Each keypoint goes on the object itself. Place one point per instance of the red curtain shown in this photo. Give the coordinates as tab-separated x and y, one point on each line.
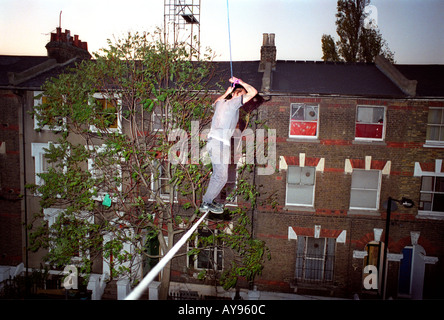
300	128
369	131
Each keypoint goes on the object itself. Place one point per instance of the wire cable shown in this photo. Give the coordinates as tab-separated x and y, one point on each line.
229	39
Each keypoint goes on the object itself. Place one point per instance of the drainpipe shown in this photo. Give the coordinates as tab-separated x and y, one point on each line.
20	95
386	240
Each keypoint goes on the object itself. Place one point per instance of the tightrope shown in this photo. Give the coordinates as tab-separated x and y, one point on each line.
141	287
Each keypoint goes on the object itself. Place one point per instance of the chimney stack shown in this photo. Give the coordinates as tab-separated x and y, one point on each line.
64	47
268	61
268	52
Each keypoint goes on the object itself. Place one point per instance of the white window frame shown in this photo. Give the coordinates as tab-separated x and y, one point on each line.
287	190
51	214
383	123
134	265
100	194
430	212
155	185
157	115
195	263
303	105
377	190
38	153
435	143
38	102
118	99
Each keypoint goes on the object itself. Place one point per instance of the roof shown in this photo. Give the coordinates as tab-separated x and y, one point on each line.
289	77
245	70
54	71
32	71
429	77
17	64
326	78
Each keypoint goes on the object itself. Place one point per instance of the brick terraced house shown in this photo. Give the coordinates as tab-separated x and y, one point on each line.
349	138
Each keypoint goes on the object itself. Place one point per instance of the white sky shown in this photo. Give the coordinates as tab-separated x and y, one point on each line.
413	28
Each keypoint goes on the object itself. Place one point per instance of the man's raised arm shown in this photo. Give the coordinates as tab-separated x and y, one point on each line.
251	91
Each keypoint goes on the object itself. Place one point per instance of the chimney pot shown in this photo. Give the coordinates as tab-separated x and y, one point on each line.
265	39
64	47
271	39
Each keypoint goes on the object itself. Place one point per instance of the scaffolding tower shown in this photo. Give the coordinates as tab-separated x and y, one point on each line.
182	22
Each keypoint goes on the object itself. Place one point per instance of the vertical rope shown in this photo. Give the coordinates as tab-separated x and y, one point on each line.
229	39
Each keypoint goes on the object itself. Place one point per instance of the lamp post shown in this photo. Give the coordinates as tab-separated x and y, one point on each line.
407	203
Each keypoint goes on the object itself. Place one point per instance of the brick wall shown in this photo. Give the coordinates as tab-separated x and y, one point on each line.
10	201
403	146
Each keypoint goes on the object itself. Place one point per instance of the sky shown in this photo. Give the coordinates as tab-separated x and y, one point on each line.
413	29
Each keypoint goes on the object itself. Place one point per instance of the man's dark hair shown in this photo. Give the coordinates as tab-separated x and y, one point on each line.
238	86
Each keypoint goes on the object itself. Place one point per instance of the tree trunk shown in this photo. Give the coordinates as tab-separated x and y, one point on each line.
165	282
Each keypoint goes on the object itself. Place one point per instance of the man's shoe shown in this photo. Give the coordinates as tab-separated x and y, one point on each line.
219	205
213	207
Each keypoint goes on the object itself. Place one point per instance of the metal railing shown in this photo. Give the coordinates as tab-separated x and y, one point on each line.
314	268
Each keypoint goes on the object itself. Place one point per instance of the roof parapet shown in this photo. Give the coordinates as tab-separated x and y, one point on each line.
16	78
407	86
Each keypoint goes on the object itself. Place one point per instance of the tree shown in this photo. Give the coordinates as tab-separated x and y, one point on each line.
329	49
357	42
110	172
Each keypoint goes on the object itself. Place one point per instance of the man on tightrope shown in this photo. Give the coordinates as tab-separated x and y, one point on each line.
223	124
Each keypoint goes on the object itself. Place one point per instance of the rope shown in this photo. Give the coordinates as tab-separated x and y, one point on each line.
229	39
137	292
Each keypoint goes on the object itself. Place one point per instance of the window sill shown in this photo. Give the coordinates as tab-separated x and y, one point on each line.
303	140
165	199
55	129
231	204
433	145
370	142
430	215
362	212
299	208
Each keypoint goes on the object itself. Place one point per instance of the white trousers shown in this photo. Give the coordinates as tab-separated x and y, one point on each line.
220	158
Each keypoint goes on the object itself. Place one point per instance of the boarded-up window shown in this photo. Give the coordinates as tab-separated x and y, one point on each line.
365	189
300	185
